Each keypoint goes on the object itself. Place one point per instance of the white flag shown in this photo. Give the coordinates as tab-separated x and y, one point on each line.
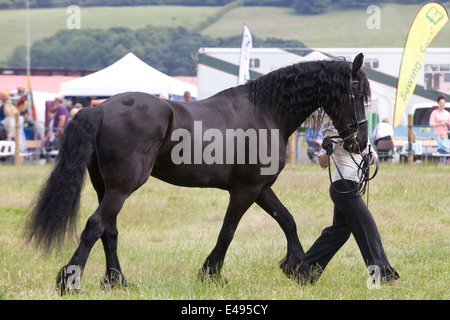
244	63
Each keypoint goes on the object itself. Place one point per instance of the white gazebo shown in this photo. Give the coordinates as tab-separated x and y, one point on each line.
127	74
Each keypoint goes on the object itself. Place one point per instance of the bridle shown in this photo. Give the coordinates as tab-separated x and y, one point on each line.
354	147
364	165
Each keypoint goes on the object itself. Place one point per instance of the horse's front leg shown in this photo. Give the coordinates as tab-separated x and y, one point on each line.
240	201
293	264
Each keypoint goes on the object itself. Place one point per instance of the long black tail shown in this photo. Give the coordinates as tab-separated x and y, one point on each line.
54	211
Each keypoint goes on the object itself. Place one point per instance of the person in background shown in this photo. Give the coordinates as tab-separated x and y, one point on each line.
415	150
440	118
4	94
383	132
9	122
50	135
414	145
60	121
313	137
443	146
73	111
187	96
4	98
164	96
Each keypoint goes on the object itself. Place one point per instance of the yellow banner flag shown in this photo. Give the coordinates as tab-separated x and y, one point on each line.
428	22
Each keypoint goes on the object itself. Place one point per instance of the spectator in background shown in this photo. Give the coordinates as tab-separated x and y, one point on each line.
415	148
440	118
187	96
50	135
60	121
4	96
383	131
164	96
313	137
9	122
77	107
382	136
443	145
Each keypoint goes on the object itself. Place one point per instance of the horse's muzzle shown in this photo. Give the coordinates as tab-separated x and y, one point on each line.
352	145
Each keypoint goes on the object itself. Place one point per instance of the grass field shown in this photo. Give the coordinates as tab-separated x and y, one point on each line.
330	30
46	22
166	232
335	29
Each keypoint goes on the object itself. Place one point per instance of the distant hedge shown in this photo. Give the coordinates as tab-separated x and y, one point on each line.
170	50
300	6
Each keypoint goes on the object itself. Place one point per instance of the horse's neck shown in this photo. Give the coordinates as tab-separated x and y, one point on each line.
290	123
292	116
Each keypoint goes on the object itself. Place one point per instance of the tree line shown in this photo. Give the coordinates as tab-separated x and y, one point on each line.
170	50
300	6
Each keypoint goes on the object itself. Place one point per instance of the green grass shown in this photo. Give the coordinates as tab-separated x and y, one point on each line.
166	232
335	29
346	28
46	22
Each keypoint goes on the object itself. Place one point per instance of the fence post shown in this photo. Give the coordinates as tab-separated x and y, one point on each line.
17	161
291	149
410	139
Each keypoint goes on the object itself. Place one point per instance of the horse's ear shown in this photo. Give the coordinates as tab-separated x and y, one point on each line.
357	63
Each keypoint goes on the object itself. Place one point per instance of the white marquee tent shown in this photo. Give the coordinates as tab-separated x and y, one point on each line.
127	74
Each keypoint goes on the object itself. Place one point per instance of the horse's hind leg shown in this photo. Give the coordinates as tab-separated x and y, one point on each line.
113	275
109	237
293	264
96	225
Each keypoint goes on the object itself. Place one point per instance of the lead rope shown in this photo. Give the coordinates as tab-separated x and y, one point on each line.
363	172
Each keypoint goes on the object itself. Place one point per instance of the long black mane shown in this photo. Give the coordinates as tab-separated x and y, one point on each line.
314	84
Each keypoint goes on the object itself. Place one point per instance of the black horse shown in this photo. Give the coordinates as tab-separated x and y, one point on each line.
134	135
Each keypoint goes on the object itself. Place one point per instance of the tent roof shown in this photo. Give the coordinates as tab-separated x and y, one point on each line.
315	55
127	74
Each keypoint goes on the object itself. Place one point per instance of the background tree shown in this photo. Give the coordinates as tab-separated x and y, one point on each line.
169	50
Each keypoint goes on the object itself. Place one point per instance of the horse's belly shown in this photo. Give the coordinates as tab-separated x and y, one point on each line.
192	176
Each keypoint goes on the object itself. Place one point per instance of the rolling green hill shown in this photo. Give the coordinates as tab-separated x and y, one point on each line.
333	29
46	22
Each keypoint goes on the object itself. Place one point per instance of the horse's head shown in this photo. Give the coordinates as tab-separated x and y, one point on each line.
350	116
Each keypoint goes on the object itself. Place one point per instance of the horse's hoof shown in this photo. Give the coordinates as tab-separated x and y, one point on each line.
214	278
68	279
113	280
299	272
